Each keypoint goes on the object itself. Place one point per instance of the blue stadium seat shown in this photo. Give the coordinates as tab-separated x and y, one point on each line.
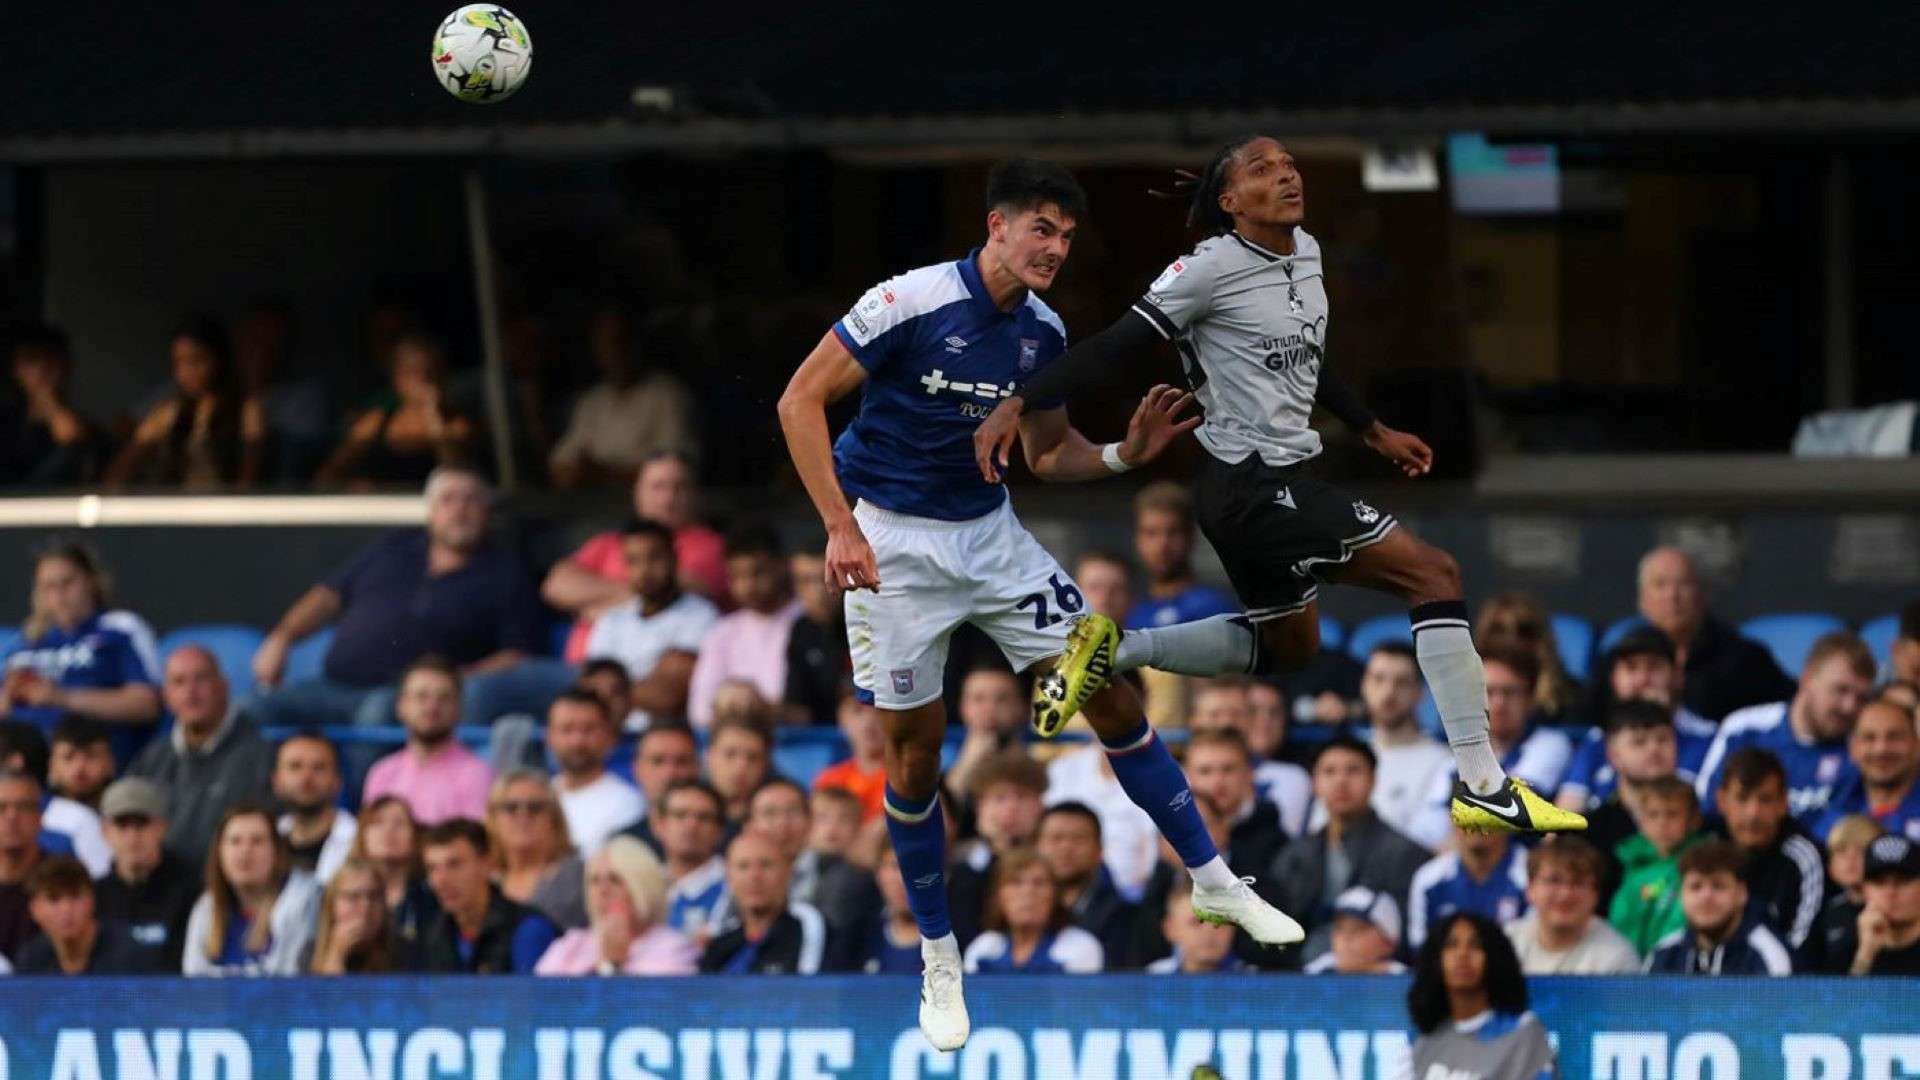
1574	635
10	636
232	645
1617	631
304	659
1377	631
1878	635
1789	636
1332	634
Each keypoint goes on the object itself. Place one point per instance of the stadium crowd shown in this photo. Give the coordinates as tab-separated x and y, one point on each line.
624	814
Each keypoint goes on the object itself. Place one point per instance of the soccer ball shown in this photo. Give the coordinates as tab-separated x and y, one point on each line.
482	54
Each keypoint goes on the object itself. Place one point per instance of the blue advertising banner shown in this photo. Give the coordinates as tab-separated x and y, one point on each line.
856	1028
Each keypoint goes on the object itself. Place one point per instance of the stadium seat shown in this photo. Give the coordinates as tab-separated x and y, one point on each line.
1878	635
232	646
1617	631
1574	635
304	660
1789	636
1332	634
1375	632
10	636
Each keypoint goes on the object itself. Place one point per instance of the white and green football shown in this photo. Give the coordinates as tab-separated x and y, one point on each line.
482	54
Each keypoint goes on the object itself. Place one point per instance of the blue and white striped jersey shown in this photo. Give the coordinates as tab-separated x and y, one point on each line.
939	356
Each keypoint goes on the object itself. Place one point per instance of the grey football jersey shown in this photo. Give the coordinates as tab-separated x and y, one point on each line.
1496	1046
1251	327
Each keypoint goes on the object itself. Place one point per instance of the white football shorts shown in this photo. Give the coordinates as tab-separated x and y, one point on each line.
935	575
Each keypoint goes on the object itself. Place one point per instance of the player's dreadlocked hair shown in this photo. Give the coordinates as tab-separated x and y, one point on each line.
1021	184
1201	190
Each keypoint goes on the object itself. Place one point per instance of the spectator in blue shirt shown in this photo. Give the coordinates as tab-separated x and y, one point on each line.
477	931
1028	930
77	656
1485	873
258	912
1885	750
443	590
1163	537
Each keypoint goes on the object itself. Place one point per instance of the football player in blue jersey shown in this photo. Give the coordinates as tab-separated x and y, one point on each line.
921	542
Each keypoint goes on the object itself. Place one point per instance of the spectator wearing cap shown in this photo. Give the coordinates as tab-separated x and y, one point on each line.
863	773
1354	848
438	777
212	760
1485	873
1026	928
306	783
1785	874
841	892
663	755
1724	672
595	579
1885	751
257	915
1008	791
1366	934
1641	666
1831	947
1808	733
771	934
655	635
477	931
1888	932
20	853
750	644
1719	937
1409	758
1562	935
1647	905
81	761
149	889
73	939
444	590
1199	948
1068	841
581	736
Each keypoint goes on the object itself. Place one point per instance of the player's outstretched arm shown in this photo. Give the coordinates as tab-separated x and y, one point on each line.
828	374
1409	452
1057	452
1080	365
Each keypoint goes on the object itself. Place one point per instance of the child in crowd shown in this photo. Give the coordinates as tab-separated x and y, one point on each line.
1647	906
1198	948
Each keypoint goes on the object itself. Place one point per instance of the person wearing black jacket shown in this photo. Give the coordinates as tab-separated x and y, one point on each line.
1721	937
149	890
1723	670
73	940
1785	873
771	936
477	931
1069	843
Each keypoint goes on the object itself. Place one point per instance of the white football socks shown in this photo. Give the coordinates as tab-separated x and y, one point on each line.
1218	645
1444	644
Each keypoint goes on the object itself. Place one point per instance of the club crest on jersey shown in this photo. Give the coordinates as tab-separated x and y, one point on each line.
1029	353
1365	514
902	680
1829	769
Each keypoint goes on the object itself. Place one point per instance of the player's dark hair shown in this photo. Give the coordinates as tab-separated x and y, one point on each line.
1349	744
1073	808
639	526
1750	766
1021	184
753	538
1506	987
1637	716
1202	190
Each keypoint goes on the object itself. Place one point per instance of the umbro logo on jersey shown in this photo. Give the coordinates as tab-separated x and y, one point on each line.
1180	801
956	343
926	881
1284	497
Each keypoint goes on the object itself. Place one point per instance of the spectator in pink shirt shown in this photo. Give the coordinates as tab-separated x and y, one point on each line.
624	935
436	777
595	579
750	645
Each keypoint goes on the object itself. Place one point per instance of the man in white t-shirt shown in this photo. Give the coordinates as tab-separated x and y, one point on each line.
597	804
656	635
1563	934
1409	758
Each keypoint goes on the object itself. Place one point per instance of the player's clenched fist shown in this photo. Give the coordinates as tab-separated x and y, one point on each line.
850	562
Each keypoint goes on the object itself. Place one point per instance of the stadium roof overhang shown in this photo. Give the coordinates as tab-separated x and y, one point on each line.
1092	133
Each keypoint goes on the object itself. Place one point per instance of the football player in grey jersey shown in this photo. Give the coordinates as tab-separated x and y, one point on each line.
1247	311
